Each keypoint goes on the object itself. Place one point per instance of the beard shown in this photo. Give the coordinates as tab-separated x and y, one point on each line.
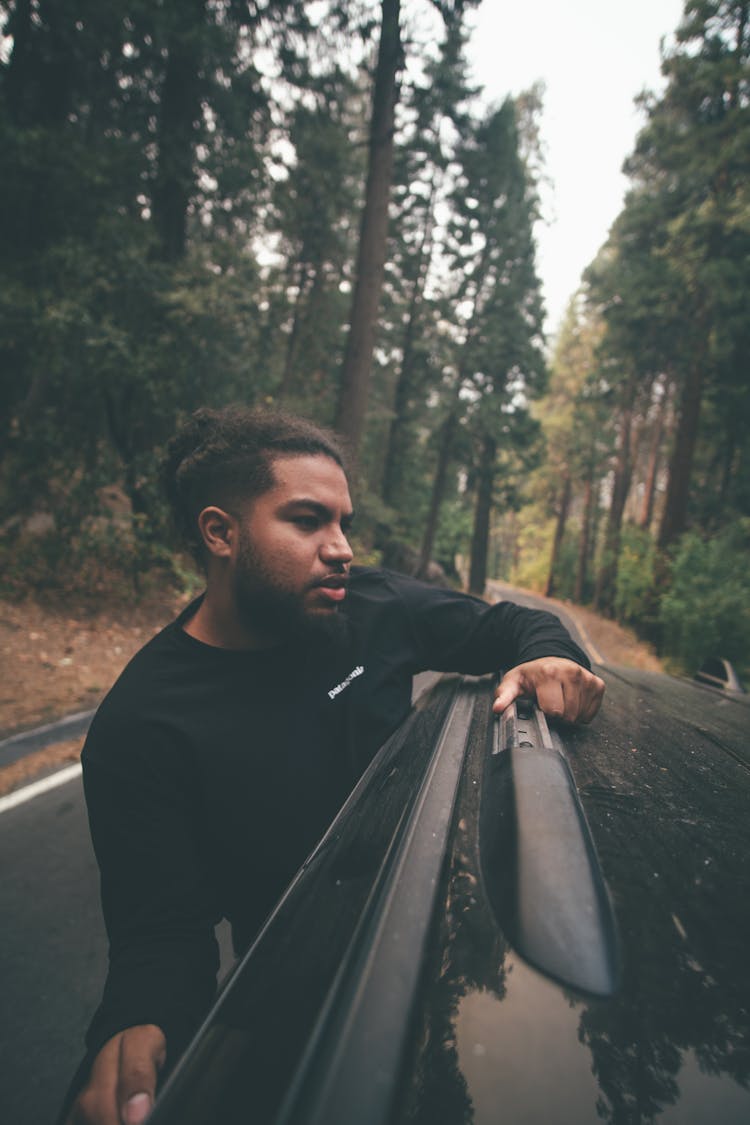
266	607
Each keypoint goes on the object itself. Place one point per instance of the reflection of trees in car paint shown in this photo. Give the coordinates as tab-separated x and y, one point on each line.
676	855
671	1004
671	831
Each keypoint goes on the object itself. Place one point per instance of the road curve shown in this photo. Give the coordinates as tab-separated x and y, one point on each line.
501	591
25	742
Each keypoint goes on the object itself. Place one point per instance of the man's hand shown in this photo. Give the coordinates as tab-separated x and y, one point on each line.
562	688
122	1084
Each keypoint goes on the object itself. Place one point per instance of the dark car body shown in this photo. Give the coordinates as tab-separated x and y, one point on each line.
465	945
719	673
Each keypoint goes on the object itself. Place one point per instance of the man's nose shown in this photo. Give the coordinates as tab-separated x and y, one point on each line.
336	549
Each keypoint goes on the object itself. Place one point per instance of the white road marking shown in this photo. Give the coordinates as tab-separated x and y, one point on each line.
593	651
20	796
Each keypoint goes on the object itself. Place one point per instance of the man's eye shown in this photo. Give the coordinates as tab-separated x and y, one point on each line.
307	523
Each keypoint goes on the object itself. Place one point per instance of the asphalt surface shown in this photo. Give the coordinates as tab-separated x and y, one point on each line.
498	591
53	953
26	742
53	950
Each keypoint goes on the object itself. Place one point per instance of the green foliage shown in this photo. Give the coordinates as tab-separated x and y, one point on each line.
532	548
104	557
634	596
674	282
706	610
649	375
453	534
565	571
158	252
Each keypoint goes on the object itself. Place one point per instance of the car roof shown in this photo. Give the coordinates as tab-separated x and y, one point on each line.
340	1013
663	778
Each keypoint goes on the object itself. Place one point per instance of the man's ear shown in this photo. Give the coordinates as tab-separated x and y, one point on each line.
218	529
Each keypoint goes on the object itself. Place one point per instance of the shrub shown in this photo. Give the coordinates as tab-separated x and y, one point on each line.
706	610
634	591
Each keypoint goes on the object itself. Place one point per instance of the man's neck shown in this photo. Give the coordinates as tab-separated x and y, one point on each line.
216	623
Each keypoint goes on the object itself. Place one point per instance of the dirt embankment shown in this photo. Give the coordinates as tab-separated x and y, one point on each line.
615	644
57	661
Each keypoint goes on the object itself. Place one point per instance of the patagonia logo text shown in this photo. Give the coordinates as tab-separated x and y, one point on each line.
345	683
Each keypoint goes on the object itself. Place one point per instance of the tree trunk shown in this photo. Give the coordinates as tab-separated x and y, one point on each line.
394	453
728	456
355	377
681	462
292	344
438	491
404	385
19	72
649	493
584	548
480	537
604	598
41	72
743	14
179	115
562	519
120	428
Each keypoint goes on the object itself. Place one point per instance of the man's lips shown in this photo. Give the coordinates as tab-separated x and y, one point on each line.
332	588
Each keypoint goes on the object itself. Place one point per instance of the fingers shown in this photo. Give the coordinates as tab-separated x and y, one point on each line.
563	689
591	699
556	699
122	1085
510	687
96	1104
142	1053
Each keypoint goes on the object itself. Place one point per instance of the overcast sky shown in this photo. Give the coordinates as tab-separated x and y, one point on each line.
594	56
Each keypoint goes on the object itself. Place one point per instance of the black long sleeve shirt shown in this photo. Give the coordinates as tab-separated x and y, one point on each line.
210	774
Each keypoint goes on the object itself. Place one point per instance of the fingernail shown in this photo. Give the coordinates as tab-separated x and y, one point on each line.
137	1109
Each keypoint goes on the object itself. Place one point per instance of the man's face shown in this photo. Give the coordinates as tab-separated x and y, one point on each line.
293	557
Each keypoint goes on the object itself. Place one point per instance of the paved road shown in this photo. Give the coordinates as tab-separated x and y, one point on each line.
52	953
499	590
17	746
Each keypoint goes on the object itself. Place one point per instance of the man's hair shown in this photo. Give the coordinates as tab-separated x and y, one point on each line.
225	458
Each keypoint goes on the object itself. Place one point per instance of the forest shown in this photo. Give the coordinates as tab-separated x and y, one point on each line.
309	205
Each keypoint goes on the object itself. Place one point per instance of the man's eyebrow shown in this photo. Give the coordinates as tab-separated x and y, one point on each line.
321	510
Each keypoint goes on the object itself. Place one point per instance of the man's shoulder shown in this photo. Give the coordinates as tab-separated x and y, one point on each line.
365	578
378	584
166	649
371	586
142	680
152	654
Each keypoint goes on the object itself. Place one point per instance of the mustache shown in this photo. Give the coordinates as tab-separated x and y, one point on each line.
334	579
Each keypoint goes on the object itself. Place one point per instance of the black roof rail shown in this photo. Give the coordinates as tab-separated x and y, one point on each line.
719	673
554	905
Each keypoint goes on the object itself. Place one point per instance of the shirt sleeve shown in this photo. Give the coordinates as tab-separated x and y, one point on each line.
455	632
156	898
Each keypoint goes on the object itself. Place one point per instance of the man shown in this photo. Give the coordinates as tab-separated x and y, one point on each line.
231	740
